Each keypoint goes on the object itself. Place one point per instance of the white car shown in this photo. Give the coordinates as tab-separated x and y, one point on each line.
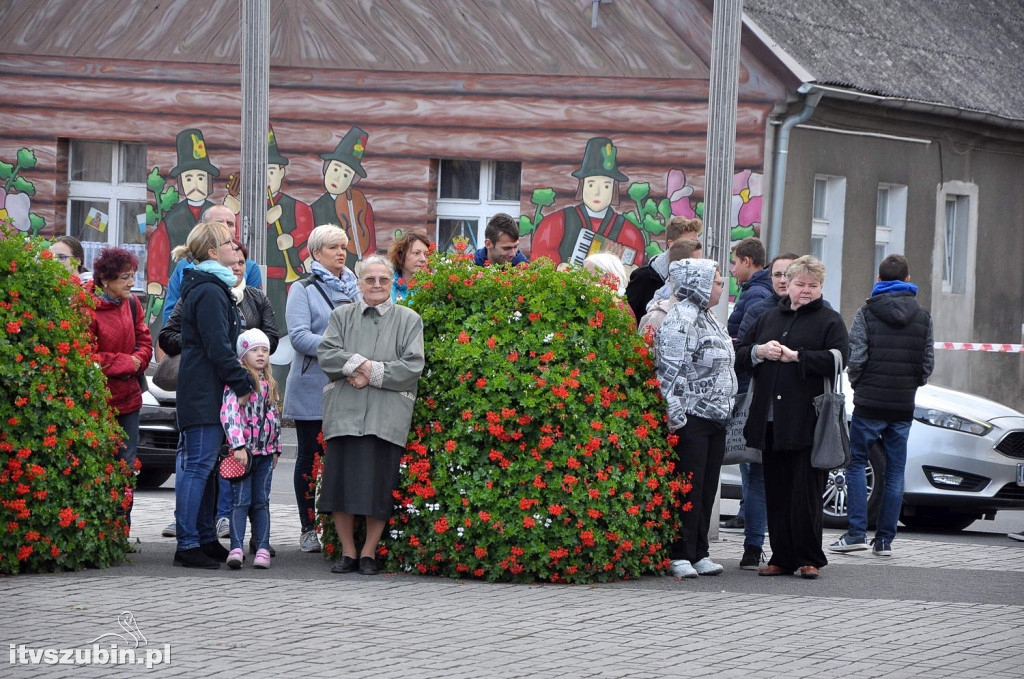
965	461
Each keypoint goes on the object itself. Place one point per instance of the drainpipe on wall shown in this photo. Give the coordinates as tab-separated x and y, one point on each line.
812	96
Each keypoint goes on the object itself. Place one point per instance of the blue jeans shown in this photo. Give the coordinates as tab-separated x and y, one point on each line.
863	434
224	499
195	485
253	492
755	510
129	452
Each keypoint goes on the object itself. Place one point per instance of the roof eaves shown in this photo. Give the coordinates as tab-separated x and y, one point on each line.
784	57
914	105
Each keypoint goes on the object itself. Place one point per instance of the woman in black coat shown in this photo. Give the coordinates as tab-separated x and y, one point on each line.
253	305
787	351
256	312
209	328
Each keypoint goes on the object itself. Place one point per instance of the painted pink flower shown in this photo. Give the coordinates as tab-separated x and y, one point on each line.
679	193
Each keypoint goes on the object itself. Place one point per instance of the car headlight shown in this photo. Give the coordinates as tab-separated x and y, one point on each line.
941	418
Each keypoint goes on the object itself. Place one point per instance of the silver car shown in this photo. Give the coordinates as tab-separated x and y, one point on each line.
965	461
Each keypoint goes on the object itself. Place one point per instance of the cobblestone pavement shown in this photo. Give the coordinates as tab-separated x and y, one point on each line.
298	620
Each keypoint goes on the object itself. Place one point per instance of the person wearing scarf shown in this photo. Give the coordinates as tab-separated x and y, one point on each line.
210	325
310	303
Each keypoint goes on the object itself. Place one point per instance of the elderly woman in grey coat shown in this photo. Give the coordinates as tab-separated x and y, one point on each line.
372	353
310	303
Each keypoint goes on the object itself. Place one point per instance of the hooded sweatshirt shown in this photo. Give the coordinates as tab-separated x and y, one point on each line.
891	352
694	352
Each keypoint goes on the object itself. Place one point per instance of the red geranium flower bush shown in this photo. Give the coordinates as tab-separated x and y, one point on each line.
60	484
539	450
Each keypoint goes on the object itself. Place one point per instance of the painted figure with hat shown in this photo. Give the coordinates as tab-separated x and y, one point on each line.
342	204
289	222
573	233
195	175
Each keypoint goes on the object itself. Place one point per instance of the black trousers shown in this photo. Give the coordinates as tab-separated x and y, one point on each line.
700	451
793	494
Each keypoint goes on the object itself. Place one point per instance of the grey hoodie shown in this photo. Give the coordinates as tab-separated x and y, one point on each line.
694	353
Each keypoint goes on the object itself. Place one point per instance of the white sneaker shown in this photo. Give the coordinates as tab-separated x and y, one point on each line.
170	530
681	568
224	527
708	567
1019	536
309	542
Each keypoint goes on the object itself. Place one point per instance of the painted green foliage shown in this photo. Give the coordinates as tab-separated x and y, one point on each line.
164	197
16	194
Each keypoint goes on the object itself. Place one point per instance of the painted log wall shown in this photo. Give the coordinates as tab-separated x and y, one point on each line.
544	123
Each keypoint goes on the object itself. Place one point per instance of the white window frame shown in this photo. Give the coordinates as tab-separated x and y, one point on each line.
892	232
481	209
954	260
113	192
828	229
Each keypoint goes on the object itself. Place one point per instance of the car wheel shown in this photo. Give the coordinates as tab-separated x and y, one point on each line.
936	518
152	478
836	494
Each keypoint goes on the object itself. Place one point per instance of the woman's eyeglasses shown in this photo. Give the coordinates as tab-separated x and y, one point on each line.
374	280
63	258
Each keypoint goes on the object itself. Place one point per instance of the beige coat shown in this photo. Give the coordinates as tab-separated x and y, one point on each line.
394	343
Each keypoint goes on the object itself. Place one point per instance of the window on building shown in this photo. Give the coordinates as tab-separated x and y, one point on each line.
828	212
821	198
469	193
890	221
107	198
954	264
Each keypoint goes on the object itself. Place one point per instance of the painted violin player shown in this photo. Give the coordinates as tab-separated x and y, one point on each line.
342	203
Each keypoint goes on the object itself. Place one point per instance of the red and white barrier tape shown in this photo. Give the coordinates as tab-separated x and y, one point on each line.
978	346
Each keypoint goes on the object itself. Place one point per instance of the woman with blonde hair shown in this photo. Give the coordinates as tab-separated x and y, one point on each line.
310	302
607	263
787	350
209	330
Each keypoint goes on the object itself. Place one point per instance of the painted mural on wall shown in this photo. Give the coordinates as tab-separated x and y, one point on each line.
342	203
176	208
194	173
591	225
569	234
17	191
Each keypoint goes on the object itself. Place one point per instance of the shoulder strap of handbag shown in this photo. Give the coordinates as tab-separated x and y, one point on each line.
837	375
132	301
313	280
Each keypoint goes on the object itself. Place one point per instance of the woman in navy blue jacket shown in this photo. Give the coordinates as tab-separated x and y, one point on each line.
209	328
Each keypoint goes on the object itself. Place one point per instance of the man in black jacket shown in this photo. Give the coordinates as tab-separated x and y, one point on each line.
891	355
649	278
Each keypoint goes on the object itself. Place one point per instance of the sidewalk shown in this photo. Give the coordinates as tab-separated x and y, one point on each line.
865	617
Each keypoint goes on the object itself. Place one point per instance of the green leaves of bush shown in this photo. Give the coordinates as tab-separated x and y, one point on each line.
60	484
538	450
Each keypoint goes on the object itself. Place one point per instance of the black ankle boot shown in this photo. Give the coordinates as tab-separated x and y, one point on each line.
215	551
195	558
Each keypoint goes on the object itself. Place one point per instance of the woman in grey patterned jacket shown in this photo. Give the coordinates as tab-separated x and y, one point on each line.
695	368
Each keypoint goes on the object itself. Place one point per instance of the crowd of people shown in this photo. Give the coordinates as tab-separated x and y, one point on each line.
358	357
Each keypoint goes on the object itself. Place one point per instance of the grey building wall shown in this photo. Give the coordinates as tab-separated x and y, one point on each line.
931	153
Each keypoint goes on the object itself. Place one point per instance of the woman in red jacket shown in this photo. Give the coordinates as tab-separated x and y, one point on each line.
124	345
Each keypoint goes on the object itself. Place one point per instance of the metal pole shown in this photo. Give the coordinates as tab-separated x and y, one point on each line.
726	22
255	122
